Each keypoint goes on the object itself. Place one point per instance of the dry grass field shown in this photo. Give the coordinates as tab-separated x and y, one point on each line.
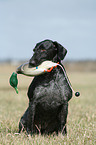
81	123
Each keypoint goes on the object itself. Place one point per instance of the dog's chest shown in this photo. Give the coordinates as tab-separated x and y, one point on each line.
50	88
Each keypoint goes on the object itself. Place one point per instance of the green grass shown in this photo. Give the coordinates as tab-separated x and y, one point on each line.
81	124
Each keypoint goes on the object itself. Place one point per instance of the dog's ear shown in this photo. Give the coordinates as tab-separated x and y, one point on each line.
61	51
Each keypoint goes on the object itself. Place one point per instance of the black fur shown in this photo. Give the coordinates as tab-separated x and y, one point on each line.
48	93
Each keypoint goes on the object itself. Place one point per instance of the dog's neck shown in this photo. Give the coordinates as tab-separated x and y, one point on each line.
56	59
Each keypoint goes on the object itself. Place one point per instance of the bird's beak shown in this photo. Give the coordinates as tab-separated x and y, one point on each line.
19	70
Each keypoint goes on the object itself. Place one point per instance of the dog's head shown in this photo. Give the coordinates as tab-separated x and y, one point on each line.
47	50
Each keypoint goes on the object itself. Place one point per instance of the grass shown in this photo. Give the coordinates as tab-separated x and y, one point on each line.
81	124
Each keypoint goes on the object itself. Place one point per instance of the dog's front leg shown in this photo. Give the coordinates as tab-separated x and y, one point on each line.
62	118
30	123
23	121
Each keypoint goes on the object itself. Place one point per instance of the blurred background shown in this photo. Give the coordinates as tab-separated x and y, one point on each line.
24	23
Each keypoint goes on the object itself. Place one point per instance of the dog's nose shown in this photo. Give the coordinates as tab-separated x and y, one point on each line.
32	63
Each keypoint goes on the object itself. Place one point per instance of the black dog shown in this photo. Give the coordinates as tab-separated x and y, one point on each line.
48	93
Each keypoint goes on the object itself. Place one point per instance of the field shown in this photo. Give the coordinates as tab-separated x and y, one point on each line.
81	123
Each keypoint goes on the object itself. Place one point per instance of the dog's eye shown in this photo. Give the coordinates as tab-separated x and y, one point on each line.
42	50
